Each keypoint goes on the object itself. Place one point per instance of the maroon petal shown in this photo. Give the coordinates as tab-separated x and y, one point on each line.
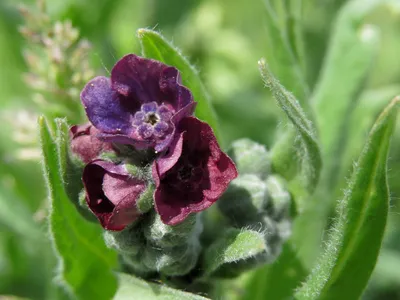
173	206
111	194
195	180
170	84
138	79
186	111
221	173
170	158
85	143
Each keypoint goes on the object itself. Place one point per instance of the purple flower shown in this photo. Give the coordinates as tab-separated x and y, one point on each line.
111	194
193	175
85	144
140	104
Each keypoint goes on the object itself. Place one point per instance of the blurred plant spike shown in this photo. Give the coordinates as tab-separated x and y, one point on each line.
57	60
23	124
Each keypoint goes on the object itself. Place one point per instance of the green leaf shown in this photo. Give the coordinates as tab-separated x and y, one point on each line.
311	157
352	50
234	247
285	51
345	266
70	169
370	104
276	281
84	261
155	46
133	288
15	216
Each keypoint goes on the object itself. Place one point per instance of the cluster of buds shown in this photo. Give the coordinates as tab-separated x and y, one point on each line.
257	199
149	168
57	60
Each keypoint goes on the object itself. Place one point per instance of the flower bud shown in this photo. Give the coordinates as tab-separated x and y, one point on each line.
246	198
85	144
175	261
272	237
134	264
127	242
163	235
279	195
250	158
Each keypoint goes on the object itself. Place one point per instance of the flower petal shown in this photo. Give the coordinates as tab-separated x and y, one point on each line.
111	194
85	143
170	158
103	107
137	78
170	84
123	192
207	172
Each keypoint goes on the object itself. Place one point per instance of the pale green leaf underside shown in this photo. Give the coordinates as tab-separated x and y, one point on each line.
155	46
344	268
134	288
234	246
84	261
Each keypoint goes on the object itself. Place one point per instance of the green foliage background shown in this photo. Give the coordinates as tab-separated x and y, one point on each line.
224	40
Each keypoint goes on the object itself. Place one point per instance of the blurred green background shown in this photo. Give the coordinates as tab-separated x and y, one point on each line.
223	39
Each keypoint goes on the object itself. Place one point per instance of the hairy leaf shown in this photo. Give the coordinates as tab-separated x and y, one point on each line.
234	247
276	281
286	51
84	260
133	288
311	157
353	47
353	246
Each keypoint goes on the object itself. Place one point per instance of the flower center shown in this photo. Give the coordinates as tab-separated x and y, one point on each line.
189	177
185	173
153	120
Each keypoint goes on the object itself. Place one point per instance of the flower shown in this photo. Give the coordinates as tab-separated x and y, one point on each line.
85	143
193	175
112	194
140	104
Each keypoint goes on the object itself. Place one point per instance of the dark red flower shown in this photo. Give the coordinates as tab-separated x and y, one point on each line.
112	194
85	143
193	175
140	105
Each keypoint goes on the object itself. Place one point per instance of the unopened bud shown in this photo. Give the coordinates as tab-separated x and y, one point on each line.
164	235
246	198
280	197
250	158
175	261
128	241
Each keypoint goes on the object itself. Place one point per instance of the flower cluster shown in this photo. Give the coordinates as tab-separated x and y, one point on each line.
143	116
